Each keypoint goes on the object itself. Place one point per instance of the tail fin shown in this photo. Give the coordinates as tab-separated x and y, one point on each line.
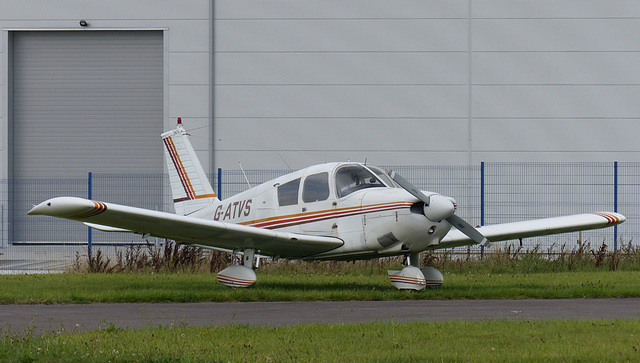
190	187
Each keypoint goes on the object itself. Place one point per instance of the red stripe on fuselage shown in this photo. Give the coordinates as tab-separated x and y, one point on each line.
304	218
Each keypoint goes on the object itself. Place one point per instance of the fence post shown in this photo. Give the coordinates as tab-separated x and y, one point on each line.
482	193
2	224
220	183
482	202
89	196
615	204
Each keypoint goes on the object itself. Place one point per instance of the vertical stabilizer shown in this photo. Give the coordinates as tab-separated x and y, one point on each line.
190	187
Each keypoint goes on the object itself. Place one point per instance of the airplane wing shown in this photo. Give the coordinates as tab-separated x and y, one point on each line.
189	230
535	228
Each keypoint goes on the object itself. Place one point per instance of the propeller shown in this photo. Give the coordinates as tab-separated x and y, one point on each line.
437	208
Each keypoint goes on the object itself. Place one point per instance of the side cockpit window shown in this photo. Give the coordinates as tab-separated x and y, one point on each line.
288	193
316	188
355	177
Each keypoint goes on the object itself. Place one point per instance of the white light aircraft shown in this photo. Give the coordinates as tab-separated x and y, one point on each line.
334	211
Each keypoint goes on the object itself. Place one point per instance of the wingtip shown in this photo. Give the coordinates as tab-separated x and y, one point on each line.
612	218
485	243
68	207
39	209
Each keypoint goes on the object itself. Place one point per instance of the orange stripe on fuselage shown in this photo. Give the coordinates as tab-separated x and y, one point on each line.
310	217
201	196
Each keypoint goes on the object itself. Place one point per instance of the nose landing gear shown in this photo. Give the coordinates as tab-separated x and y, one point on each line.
412	277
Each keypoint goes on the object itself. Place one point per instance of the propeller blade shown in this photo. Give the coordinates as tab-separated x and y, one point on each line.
436	207
406	185
441	211
468	230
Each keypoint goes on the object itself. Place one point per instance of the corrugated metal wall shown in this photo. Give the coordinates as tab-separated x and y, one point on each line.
86	101
83	101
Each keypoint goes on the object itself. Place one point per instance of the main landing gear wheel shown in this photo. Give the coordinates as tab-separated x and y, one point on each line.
239	275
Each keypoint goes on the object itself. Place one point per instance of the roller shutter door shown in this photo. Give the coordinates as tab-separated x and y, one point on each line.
82	101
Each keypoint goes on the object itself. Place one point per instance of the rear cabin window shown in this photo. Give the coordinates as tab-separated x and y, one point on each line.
316	188
288	193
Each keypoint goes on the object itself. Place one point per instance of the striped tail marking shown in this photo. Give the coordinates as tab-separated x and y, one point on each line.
182	173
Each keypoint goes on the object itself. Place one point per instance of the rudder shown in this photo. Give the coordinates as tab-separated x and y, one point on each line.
190	186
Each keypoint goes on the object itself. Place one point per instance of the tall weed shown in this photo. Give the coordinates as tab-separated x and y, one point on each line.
173	257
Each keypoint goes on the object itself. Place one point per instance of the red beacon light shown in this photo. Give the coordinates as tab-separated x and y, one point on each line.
179	127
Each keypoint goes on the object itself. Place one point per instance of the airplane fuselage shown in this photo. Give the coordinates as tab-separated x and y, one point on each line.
373	220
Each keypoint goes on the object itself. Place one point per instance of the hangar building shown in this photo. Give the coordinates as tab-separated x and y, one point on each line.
88	85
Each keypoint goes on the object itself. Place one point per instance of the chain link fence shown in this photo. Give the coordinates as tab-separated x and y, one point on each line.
488	193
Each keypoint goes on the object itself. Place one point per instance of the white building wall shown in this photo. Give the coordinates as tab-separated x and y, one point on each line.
410	82
425	82
555	80
186	26
341	80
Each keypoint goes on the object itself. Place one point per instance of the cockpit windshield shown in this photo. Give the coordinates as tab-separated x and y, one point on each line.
382	175
355	177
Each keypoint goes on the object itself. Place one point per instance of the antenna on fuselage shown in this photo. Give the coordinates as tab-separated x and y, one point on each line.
285	162
245	176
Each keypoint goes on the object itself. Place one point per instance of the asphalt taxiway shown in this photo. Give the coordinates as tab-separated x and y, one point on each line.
83	317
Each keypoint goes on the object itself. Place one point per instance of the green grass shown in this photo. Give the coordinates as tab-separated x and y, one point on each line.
178	273
501	340
305	286
579	273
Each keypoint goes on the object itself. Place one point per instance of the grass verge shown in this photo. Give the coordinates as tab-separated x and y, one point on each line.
308	286
178	273
501	340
